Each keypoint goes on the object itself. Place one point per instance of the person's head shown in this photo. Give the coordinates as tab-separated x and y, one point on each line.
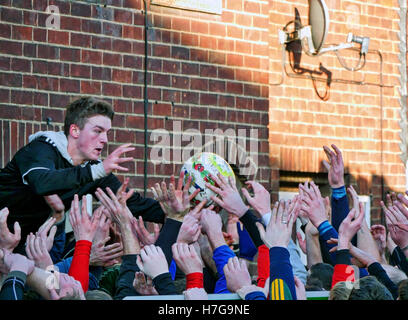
313	284
396	275
366	288
86	125
403	290
323	272
341	290
97	295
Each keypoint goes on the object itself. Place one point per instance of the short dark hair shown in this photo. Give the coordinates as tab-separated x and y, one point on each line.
369	288
81	109
323	272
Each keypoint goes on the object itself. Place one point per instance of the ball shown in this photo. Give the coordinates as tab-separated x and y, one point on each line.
199	167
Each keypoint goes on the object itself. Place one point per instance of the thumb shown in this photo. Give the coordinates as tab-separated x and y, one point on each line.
17	229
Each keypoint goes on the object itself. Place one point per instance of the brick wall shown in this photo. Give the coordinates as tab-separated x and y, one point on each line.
206	71
353	115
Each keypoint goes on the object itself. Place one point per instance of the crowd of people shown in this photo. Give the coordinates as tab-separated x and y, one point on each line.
135	246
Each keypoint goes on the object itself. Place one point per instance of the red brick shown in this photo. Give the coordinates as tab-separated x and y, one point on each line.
161	80
70	23
9	47
80	40
180	82
111	89
90	87
170	66
29	82
11	15
124	16
67	85
80	71
218	29
22	65
122	76
88	56
47	83
69	54
58	37
111	59
132	32
134	92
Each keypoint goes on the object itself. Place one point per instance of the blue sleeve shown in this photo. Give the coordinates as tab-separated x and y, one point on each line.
247	249
94	274
221	256
59	243
282	281
340	209
64	265
13	286
326	231
256	295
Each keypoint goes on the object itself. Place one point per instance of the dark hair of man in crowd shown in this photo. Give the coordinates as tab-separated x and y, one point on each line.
323	272
78	112
369	288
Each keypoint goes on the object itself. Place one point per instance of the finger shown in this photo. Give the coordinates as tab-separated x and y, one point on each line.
181	180
247	195
213	188
53	231
199	207
164	190
17	230
194	194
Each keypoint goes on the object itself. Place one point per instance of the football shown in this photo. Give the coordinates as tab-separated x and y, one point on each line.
199	167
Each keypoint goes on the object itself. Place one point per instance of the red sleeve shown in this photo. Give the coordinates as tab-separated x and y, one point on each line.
263	265
79	269
342	272
194	280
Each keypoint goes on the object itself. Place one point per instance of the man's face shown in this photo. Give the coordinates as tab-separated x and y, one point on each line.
93	137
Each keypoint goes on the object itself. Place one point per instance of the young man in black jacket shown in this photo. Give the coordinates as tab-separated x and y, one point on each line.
54	166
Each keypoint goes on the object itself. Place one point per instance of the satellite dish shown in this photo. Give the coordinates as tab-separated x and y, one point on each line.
319	23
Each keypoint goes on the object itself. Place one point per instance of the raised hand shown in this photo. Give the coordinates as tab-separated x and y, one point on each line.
8	240
312	203
144	236
396	222
84	227
37	250
144	285
335	166
380	237
261	201
189	231
360	258
113	161
237	275
47	232
15	262
349	227
57	206
187	258
279	229
230	199
152	261
174	202
105	255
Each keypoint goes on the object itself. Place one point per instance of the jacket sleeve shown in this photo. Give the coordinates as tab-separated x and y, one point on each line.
249	221
167	237
340	209
13	286
399	259
36	163
343	271
326	231
79	268
164	285
221	255
375	269
263	265
282	281
124	282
